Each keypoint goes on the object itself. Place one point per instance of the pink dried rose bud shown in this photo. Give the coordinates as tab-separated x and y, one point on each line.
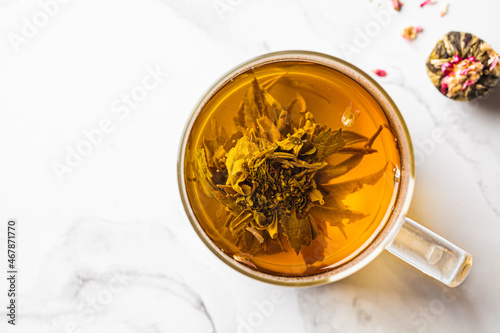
445	10
465	71
460	74
468	84
456	59
493	62
446	67
380	72
397	5
411	32
427	2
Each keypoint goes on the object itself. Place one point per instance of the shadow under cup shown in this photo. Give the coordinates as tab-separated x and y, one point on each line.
387	231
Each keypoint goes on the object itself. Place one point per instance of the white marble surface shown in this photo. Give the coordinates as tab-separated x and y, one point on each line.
107	248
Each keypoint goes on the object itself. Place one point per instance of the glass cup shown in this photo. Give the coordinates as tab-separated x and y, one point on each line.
403	237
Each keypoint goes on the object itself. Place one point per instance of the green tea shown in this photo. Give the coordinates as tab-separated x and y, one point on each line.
291	168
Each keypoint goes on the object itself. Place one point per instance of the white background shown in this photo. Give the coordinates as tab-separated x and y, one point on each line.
106	247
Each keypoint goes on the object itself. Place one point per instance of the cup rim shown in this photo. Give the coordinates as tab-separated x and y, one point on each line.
406	183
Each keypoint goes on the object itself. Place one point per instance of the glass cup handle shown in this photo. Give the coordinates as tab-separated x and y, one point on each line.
431	253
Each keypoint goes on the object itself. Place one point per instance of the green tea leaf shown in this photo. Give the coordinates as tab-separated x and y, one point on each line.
268	130
231	142
260	102
351	137
273	105
290	82
293	142
327	143
341	190
303	164
316	251
273	227
299	232
370	142
316	196
237	165
356	150
284	123
334	171
268	84
239	120
202	173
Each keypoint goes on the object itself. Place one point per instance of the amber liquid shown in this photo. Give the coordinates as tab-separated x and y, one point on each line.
331	94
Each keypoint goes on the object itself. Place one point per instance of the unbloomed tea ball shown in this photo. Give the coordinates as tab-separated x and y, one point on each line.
463	67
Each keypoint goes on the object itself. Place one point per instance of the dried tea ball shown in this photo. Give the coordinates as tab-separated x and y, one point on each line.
463	67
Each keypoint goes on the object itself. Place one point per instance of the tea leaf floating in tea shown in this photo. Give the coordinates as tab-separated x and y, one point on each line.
272	177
